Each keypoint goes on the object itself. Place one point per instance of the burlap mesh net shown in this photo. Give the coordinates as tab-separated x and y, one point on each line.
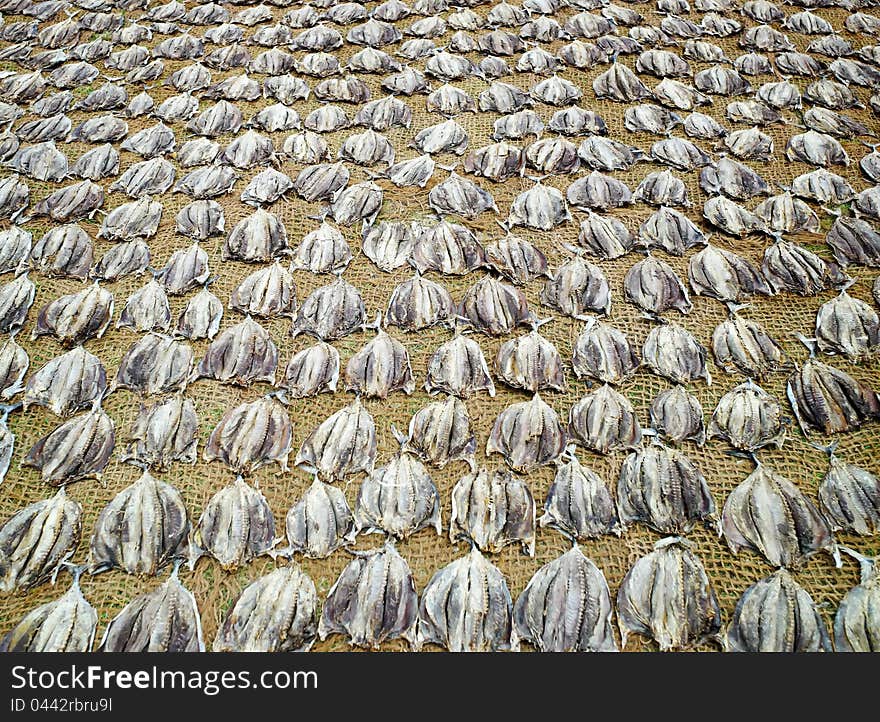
215	589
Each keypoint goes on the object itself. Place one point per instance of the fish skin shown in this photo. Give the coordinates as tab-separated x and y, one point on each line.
373	601
829	400
579	504
342	445
66	624
663	489
678	416
668	597
448	248
566	607
76	317
241	355
672	352
147	309
491	512
76	449
517	259
441	432
379	368
320	522
420	303
743	346
749	418
467	607
312	371
855	624
528	434
163	433
37	540
323	250
331	312
14	365
165	619
141	530
849	497
604	421
576	288
250	436
155	364
258	238
777	614
398	499
788	266
276	613
67	383
603	352
235	527
791	528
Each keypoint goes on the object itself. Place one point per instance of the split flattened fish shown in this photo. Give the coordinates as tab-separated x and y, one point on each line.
419	303
381	367
398	499
498	162
494	307
671	231
259	237
373	601
323	250
530	362
788	266
748	418
276	613
678	416
155	364
37	540
14	364
164	432
458	367
853	241
448	248
389	244
770	515
320	522
141	530
855	624
358	203
743	346
829	400
236	526
67	383
201	317
604	421
242	354
312	371
786	214
331	312
721	274
147	309
540	208
492	512
566	607
576	288
777	615
165	619
663	489
847	326
517	259
603	352
16	299
343	444
732	178
460	196
76	317
441	432
653	286
668	596
672	352
528	434
76	449
731	218
123	259
66	624
266	293
467	607
598	191
200	220
251	435
849	496
579	504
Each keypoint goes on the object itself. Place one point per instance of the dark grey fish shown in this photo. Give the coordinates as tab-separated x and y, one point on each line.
155	364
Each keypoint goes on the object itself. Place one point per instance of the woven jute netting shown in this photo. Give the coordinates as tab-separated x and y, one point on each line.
215	589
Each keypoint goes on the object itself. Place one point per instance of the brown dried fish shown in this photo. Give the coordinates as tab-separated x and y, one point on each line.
250	436
373	601
37	540
668	596
164	432
165	619
528	434
236	526
343	444
769	514
141	530
276	613
492	512
320	522
566	607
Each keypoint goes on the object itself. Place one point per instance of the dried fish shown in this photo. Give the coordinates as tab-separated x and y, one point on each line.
458	367
855	628
448	248
242	354
540	207
517	259
201	317
721	274
741	345
667	596
343	444
604	421
789	266
331	312
320	522
155	364
236	526
165	619
147	309
576	288
374	600
14	364
419	303
494	307
67	383
566	607
847	326
579	504
672	352
528	434
164	432
441	432
250	436
678	416
653	286
849	496
65	250
748	418
380	367
467	607
768	514
530	362
312	371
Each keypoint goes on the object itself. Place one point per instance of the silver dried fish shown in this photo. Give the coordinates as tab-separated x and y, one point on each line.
671	231
604	421
847	326
186	269
448	248
528	434
721	274
672	352
312	371
788	266
678	416
14	364
147	309
259	237
381	367
250	436
849	496
164	432
331	312
530	362
441	432
494	307
576	288
65	250
653	286
265	293
855	624
603	352
155	364
201	317
67	383
242	354
741	345
341	445
419	303
320	522
748	418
